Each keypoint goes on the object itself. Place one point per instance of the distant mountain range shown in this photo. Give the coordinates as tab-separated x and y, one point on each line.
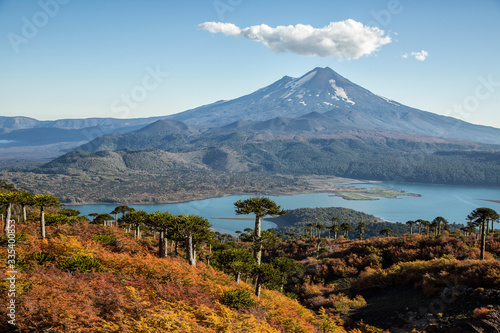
24	131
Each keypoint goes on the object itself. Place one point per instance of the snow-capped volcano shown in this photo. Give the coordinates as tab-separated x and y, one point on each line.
320	90
347	105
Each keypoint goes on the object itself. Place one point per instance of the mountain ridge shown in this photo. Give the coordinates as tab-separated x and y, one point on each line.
320	90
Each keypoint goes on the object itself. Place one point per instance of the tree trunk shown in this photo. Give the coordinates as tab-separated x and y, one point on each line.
258	285
190	251
176	248
237	277
137	231
24	214
42	222
8	217
258	241
161	244
483	238
165	245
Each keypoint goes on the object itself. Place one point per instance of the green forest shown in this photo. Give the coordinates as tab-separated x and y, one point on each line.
235	163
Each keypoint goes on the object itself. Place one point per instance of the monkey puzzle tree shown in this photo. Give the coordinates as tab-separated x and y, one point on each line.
411	224
481	216
334	223
194	230
469	229
319	227
335	229
387	232
43	201
261	207
361	229
102	218
122	209
161	222
438	222
346	227
25	199
310	227
8	199
424	225
136	218
93	216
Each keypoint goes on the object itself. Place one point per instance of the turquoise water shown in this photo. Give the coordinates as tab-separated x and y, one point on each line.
452	202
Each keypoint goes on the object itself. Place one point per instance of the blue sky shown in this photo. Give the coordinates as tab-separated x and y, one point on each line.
83	56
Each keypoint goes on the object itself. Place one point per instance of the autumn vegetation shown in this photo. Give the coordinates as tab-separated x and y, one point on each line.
130	271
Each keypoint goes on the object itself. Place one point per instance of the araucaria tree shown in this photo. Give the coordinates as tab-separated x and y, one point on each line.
346	227
411	224
387	232
481	216
194	230
361	229
8	200
44	201
136	218
332	227
25	199
161	222
122	209
261	207
439	222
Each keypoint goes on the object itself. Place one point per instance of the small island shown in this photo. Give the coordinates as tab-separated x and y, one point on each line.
359	193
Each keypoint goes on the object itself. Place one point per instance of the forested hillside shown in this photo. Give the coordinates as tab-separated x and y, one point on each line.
327	221
235	163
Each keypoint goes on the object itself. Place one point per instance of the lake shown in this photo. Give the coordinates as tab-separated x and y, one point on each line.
452	202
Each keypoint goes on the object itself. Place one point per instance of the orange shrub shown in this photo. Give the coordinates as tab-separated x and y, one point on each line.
481	313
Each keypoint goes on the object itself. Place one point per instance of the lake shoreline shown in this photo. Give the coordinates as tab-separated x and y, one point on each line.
319	184
454	203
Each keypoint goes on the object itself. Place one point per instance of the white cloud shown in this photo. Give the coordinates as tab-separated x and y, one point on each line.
420	56
346	39
228	29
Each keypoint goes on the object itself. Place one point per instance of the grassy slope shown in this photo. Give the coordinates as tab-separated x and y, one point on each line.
133	291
